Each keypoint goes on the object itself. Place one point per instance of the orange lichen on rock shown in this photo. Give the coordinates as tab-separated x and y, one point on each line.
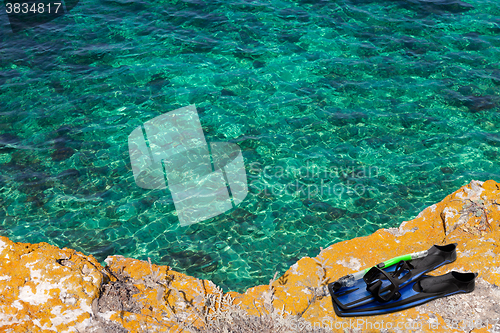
166	298
44	288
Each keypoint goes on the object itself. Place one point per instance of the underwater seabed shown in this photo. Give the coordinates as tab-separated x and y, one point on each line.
396	102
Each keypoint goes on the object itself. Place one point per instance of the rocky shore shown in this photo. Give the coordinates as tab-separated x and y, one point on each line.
47	289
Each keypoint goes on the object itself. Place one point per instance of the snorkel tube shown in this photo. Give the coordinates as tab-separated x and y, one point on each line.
350	279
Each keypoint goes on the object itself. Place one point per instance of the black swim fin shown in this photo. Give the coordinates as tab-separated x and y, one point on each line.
402	274
420	291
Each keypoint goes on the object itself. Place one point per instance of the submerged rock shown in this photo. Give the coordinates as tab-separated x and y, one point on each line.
335	213
480	103
472	102
426	7
439	6
241	215
69	178
158	81
7	139
446	170
37	200
293	14
343	119
61	154
227	92
365	203
258	64
33	183
193	261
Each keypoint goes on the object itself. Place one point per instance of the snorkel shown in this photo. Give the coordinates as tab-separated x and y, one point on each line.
350	279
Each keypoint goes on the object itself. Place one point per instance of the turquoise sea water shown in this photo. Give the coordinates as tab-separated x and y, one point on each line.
351	116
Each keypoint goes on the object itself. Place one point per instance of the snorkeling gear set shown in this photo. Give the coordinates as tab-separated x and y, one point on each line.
399	284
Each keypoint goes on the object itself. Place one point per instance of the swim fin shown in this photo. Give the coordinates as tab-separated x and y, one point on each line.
404	273
420	291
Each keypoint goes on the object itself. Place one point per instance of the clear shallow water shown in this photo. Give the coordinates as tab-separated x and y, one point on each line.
351	116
